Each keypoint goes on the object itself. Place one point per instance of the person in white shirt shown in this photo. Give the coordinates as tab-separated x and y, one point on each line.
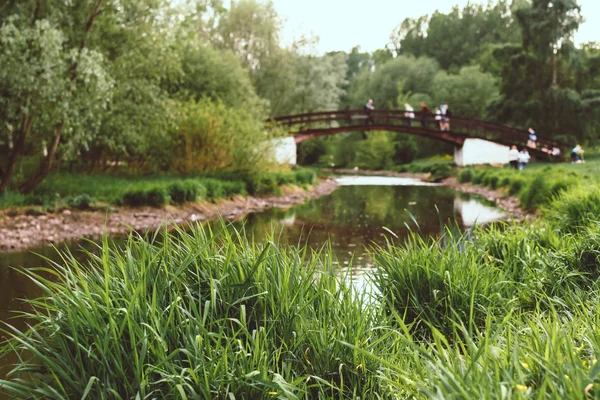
438	117
409	114
513	157
523	158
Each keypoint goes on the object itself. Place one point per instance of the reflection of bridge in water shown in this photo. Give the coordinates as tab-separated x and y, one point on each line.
307	126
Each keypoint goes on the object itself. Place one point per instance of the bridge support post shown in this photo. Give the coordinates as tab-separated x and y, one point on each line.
284	150
479	151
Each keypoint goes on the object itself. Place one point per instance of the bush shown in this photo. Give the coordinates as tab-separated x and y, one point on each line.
305	177
185	191
154	196
479	177
492	181
214	188
262	184
515	186
81	202
465	175
233	188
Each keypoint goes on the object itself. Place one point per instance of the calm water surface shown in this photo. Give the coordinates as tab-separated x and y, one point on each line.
357	216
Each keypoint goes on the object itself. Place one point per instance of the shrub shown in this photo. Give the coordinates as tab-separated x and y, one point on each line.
154	196
81	202
262	184
305	177
492	181
515	186
185	191
465	175
233	188
214	188
478	177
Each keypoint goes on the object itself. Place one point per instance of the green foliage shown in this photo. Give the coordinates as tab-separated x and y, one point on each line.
194	301
536	193
262	184
468	93
450	38
465	175
186	191
574	209
375	153
80	202
156	196
311	151
214	137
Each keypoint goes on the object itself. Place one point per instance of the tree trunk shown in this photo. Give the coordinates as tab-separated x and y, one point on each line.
16	152
45	165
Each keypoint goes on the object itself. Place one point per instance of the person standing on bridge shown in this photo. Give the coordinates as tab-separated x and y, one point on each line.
409	114
438	117
424	114
531	143
369	107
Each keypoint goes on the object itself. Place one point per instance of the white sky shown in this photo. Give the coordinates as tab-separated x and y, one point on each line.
342	24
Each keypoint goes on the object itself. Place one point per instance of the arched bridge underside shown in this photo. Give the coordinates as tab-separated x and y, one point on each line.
307	126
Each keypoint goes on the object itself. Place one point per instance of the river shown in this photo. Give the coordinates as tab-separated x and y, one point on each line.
363	212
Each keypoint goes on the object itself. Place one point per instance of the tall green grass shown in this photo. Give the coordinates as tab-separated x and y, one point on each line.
197	315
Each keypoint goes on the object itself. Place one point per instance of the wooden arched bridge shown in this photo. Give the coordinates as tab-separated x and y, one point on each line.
312	125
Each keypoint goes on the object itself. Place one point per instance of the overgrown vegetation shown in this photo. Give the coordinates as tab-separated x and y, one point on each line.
62	190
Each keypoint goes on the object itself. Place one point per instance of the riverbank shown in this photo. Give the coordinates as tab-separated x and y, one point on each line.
20	231
500	197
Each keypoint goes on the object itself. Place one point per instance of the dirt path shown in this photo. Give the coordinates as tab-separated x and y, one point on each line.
19	231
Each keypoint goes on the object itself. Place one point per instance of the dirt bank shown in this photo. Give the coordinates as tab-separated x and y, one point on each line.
499	196
19	231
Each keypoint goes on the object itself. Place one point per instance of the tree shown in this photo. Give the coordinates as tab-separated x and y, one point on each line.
450	38
415	74
53	88
468	93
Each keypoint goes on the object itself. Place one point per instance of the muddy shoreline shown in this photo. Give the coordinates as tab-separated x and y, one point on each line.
19	231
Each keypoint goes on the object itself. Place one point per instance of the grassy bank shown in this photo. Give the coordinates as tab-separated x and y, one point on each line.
506	312
63	190
538	184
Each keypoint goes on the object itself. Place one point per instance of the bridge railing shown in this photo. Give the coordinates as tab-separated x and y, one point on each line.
310	122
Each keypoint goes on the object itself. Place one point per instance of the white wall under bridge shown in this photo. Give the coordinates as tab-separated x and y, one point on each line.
284	150
479	151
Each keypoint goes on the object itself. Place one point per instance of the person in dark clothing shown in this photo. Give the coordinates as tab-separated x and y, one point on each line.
424	114
369	107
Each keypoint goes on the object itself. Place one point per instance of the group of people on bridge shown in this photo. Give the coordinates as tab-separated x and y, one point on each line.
517	159
442	115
